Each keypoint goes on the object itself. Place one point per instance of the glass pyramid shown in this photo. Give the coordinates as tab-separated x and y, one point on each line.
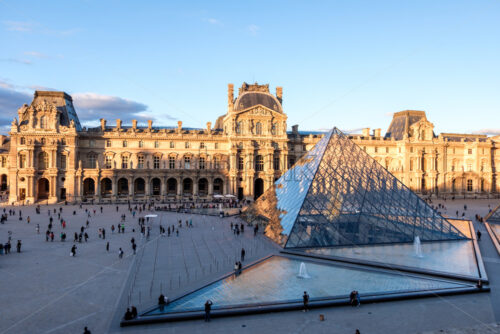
337	195
494	216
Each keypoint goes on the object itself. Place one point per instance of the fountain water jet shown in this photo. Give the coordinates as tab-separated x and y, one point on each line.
417	247
303	271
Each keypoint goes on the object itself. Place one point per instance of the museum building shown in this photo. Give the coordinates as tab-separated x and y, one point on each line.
49	157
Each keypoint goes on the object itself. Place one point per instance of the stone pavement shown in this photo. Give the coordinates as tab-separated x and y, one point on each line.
44	290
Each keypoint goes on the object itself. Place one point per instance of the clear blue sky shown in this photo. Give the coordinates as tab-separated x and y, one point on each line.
349	64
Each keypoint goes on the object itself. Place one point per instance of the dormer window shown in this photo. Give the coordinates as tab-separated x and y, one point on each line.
258	128
43	122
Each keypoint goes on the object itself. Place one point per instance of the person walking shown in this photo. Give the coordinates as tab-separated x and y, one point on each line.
19	246
208	308
161	302
104	233
236	269
305	299
243	255
120	253
478	235
134	246
73	251
107	246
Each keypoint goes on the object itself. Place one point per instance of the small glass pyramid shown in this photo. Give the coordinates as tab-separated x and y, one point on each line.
337	195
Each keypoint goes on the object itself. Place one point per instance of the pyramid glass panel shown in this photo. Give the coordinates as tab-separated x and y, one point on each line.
337	195
494	216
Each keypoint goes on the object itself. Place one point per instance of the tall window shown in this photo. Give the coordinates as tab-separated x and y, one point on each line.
4	162
172	144
291	162
274	128
108	142
186	144
157	144
92	143
43	122
92	160
43	160
469	150
469	166
140	162
216	163
276	162
202	145
216	146
187	162
469	185
259	163
124	162
141	143
124	143
23	141
238	127
258	128
108	162
241	163
22	161
202	163
62	163
171	162
156	162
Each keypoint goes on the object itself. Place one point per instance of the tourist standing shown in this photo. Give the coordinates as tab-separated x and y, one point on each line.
208	308
120	253
305	299
243	255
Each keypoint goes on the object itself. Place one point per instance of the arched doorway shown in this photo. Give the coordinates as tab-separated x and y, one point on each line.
106	187
43	189
139	186
258	188
88	187
172	186
202	187
156	187
218	186
122	187
187	186
3	182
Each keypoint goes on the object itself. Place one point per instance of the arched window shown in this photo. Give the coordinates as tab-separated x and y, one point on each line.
259	163
43	160
124	162
140	161
258	128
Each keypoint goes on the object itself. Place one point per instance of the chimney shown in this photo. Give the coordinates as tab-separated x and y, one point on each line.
150	124
118	124
376	132
179	126
279	94
295	129
230	97
134	124
103	124
209	127
366	132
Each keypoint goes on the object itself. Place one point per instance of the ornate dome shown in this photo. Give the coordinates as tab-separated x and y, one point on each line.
250	99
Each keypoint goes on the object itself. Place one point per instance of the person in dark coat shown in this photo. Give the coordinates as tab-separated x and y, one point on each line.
478	235
305	299
208	308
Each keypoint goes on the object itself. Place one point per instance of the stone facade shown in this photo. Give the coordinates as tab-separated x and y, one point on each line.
50	157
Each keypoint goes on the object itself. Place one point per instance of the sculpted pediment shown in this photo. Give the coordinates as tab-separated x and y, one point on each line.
260	110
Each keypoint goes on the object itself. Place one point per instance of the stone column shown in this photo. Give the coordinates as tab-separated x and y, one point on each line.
195	187
131	187
210	186
147	189
98	188
179	187
164	186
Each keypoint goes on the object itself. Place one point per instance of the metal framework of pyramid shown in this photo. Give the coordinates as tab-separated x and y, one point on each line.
338	195
493	216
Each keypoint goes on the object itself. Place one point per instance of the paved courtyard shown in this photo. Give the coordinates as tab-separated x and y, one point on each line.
44	290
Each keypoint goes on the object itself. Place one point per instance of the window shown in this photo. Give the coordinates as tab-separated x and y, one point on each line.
172	144
140	161
202	145
276	163
469	150
4	162
92	143
62	163
43	122
124	143
304	148
238	127
141	144
411	150
63	141
241	163
291	162
399	149
157	144
216	146
43	141
22	161
259	163
216	163
411	165
22	141
258	128
91	160
43	160
376	149
187	162
156	162
386	150
186	144
274	128
202	163
171	162
469	185
108	162
124	162
108	143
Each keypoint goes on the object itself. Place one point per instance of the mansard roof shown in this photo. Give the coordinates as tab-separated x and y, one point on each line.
401	122
253	95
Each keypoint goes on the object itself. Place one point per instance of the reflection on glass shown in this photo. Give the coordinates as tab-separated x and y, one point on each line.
338	195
